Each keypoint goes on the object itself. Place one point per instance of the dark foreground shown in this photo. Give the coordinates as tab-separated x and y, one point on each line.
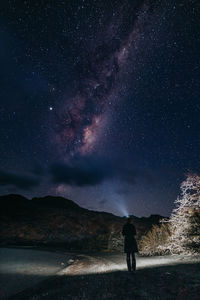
177	281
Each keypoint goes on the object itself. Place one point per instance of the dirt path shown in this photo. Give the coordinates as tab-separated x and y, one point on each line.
104	276
110	262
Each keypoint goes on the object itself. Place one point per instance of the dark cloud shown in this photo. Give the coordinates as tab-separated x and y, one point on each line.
37	169
92	171
123	191
21	181
103	202
80	172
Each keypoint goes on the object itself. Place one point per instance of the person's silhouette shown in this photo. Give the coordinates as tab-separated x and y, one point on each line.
130	244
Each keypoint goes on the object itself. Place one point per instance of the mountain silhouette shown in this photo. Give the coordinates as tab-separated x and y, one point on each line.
56	221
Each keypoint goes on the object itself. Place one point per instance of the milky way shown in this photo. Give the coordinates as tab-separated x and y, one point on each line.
84	117
100	101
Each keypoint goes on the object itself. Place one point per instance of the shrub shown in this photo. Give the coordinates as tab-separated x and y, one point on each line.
155	241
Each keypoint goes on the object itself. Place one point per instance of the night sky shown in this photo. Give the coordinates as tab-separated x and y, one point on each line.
100	101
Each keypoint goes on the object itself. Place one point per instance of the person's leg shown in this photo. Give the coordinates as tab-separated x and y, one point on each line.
128	260
133	261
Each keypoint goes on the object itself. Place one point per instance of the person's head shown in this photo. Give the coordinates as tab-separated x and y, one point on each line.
128	220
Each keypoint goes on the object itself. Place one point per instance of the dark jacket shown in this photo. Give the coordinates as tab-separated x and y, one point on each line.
129	232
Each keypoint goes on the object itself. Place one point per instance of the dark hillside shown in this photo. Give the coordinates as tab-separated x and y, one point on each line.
56	221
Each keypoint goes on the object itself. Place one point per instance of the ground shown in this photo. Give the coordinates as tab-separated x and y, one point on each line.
104	276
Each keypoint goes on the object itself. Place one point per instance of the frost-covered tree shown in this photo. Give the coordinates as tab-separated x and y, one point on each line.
185	219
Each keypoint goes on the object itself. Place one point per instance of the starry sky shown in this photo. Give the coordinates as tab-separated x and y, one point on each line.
100	101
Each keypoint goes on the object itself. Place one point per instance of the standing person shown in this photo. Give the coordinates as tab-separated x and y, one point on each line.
130	244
